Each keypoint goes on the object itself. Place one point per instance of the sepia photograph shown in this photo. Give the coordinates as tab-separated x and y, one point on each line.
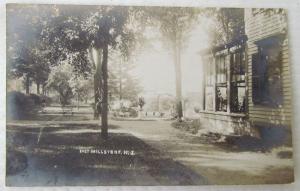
111	95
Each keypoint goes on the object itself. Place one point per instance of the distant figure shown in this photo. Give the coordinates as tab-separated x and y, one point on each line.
43	103
141	103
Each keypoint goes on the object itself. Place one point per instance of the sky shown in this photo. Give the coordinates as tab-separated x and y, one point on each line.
155	68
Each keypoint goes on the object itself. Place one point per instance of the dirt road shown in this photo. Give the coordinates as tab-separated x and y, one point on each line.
70	152
218	165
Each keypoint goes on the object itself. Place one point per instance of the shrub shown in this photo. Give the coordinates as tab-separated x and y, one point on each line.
46	100
195	126
285	154
191	126
197	109
132	112
36	99
21	106
125	112
15	162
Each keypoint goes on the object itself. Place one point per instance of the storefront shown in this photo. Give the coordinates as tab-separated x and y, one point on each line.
247	82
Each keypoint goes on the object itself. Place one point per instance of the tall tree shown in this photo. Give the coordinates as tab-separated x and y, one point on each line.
123	83
78	34
175	24
26	55
111	23
96	29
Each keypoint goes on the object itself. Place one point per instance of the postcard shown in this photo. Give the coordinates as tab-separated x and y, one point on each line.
111	95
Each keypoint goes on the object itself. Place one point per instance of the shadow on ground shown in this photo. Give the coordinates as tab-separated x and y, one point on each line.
60	117
243	143
52	157
250	143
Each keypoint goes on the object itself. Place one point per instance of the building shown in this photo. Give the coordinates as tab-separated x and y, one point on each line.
247	82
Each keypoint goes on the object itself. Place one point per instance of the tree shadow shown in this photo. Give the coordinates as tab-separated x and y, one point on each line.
61	117
70	159
250	143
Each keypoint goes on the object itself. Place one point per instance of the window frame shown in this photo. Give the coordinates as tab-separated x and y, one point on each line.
235	84
227	51
261	68
221	71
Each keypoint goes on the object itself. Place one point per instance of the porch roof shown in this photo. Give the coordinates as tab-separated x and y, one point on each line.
241	40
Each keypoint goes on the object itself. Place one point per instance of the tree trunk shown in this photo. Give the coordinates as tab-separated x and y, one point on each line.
77	101
121	97
43	89
177	60
104	112
38	88
120	81
97	81
97	96
27	84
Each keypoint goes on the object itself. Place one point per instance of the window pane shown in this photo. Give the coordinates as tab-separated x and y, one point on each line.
237	89
209	72
209	98
238	97
237	66
221	99
221	69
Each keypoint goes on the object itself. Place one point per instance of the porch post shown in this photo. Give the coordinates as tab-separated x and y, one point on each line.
228	65
214	82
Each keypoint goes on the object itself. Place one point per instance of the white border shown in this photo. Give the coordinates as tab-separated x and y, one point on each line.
293	7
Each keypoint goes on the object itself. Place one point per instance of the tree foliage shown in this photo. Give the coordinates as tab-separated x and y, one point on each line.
175	23
99	27
60	80
82	88
123	84
228	25
27	56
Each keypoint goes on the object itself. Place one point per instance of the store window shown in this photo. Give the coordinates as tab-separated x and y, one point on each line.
209	84
225	81
238	84
221	82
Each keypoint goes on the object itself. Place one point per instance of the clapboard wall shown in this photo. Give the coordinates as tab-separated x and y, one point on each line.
259	25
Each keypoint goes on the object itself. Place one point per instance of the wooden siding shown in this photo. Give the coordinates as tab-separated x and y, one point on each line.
258	27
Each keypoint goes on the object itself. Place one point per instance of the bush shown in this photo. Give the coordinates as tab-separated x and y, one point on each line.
197	109
285	154
46	100
132	112
15	162
36	99
191	126
21	106
124	111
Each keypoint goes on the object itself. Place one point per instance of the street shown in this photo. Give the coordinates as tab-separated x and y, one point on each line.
68	150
